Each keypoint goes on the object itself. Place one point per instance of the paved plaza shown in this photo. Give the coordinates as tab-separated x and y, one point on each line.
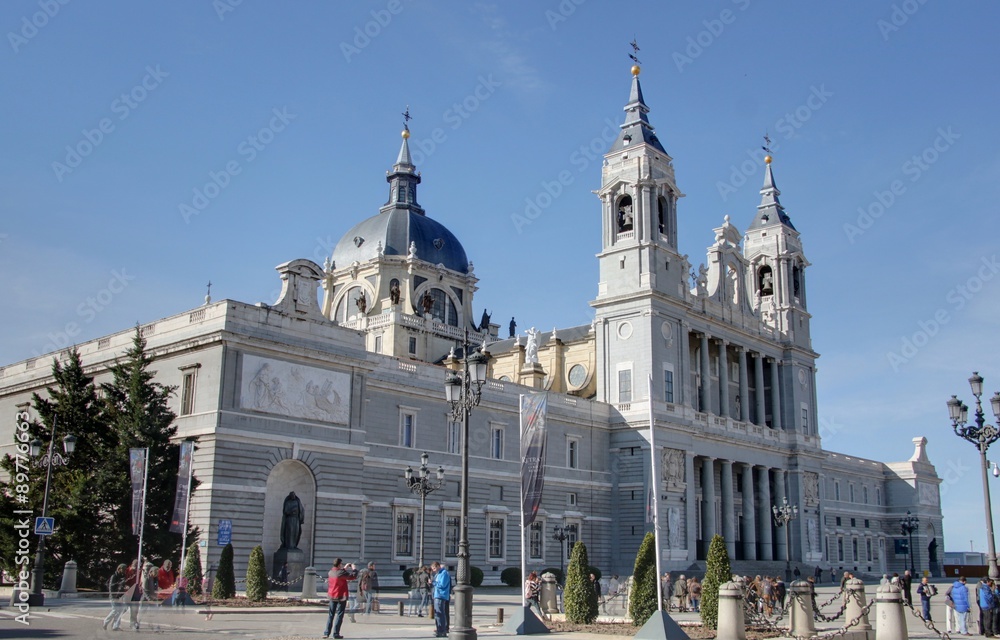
81	618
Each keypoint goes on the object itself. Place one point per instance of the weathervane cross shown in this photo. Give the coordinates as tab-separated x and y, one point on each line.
635	50
767	144
406	116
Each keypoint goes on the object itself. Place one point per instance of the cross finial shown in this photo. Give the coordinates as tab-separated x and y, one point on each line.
407	117
208	294
635	51
767	143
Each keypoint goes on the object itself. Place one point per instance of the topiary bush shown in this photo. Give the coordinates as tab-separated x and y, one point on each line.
642	597
192	570
717	573
556	571
511	576
257	576
225	580
475	576
579	597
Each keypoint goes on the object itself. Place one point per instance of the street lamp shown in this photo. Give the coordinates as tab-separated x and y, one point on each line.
908	524
982	436
49	460
783	515
422	485
561	534
463	391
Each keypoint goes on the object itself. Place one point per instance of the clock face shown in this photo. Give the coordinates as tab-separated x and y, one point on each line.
577	375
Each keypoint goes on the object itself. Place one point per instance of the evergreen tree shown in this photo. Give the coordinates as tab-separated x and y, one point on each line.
137	409
717	573
580	598
81	496
642	597
225	580
257	576
192	569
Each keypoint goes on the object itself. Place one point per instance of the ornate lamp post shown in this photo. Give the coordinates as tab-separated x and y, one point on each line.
561	534
982	436
908	524
783	515
422	485
49	460
463	392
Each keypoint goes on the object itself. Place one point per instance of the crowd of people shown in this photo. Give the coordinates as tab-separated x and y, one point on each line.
129	587
682	594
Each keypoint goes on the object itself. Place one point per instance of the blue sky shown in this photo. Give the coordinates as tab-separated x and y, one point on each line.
117	115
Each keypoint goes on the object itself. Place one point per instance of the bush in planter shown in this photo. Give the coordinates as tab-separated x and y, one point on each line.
511	576
225	581
579	597
192	569
642	598
475	576
717	573
257	576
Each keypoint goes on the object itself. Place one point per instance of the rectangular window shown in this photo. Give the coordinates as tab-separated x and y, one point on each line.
378	344
852	492
805	418
187	393
413	346
836	492
572	535
852	522
454	437
840	549
838	521
407	429
828	556
625	385
854	546
668	385
571	499
404	534
496	443
452	524
864	494
496	538
572	453
866	523
535	540
868	548
715	366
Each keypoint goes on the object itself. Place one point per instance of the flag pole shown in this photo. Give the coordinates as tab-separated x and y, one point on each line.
142	521
653	483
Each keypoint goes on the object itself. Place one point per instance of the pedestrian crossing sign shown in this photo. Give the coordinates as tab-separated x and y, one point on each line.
44	526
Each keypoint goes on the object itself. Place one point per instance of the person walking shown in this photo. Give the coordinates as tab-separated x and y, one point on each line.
337	589
960	596
532	591
116	587
668	590
694	593
442	598
906	582
368	588
680	591
424	588
950	621
926	591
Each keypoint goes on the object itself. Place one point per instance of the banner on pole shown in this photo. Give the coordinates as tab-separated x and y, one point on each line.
533	407
137	466
179	522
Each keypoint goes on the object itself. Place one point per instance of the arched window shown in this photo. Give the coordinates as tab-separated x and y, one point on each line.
626	216
796	280
765	281
348	305
661	213
443	308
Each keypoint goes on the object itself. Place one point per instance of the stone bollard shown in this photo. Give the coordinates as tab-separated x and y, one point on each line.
802	623
890	619
856	603
402	609
731	626
68	578
499	615
309	583
548	600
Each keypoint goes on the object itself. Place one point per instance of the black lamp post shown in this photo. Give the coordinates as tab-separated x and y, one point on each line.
908	524
783	515
463	391
49	460
422	485
982	436
561	534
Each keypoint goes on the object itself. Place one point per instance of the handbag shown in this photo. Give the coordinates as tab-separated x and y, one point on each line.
375	605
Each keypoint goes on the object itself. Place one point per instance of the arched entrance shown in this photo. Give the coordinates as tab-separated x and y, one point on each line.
286	477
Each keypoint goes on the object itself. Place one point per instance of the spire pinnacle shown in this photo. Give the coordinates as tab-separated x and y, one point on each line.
404	150
770	211
404	178
636	129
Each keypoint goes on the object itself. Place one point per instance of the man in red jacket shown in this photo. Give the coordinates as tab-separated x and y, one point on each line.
337	580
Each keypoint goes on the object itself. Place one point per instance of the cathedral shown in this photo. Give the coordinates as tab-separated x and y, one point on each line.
333	390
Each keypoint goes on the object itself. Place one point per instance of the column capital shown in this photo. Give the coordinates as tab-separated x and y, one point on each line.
747	466
725	461
720	340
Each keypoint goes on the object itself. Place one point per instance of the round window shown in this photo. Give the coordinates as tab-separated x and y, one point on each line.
577	375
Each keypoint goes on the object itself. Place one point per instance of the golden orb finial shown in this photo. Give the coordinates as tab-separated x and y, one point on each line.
405	133
767	159
635	69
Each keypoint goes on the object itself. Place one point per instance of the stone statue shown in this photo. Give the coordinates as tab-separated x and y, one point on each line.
293	516
427	302
531	349
810	487
394	292
512	328
484	322
362	302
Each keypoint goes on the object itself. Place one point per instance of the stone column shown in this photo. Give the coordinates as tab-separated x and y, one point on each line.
706	376
744	386
779	495
775	396
758	370
690	507
723	380
728	507
687	398
707	500
764	514
749	515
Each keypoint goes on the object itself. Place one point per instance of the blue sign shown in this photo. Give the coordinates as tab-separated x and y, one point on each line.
44	526
225	532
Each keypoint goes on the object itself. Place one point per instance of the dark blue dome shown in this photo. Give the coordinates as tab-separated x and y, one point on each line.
396	229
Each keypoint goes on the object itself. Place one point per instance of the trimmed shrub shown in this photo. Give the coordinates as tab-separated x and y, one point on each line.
225	580
511	576
475	576
717	573
642	597
579	597
192	569
556	571
256	576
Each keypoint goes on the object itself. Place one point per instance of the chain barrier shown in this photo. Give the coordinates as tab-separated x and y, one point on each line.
818	615
757	617
833	599
928	623
843	630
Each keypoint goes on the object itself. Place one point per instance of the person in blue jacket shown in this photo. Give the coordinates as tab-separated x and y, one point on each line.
442	598
987	603
960	596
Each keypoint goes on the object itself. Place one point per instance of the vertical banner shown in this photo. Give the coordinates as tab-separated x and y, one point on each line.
137	466
532	454
178	524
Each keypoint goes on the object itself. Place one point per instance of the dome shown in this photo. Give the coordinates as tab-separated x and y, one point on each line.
396	229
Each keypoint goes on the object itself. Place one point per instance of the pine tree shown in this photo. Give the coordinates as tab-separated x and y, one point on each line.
225	580
642	597
717	573
137	408
257	576
81	496
580	598
192	569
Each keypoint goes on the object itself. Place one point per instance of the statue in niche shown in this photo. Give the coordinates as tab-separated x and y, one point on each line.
394	292
673	468
734	278
512	328
531	349
362	302
674	528
702	280
293	516
427	302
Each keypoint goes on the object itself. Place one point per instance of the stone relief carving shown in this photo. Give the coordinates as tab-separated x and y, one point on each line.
294	390
810	487
674	528
812	535
673	468
929	494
